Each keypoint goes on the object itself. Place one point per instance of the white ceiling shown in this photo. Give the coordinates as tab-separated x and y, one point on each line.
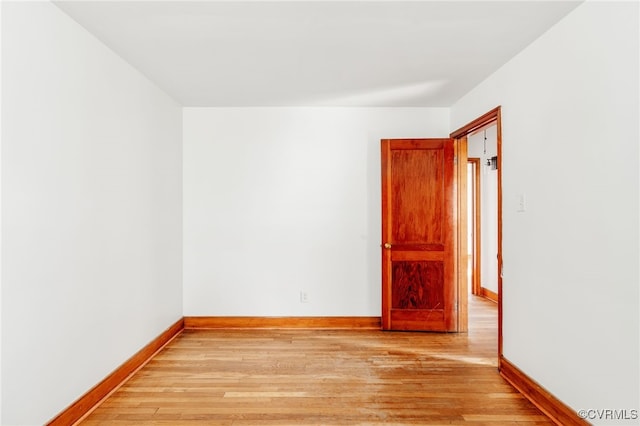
311	53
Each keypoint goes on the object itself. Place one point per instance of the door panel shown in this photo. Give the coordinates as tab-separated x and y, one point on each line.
418	263
418	196
417	285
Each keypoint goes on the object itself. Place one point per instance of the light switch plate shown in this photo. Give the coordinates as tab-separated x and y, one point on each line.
522	203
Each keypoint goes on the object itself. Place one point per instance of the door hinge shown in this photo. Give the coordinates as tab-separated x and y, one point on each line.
455	160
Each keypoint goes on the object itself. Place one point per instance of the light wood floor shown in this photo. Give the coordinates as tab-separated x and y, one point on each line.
324	377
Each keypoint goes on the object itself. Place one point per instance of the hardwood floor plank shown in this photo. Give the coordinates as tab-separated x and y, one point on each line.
329	377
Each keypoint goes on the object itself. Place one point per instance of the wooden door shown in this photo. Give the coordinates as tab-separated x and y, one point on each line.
419	287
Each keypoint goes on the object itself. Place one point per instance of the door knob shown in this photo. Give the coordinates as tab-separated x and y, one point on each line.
387	245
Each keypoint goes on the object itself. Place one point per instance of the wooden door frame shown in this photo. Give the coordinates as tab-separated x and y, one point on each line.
460	138
460	226
477	229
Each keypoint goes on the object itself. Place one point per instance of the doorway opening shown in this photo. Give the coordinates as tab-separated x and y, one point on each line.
464	137
482	212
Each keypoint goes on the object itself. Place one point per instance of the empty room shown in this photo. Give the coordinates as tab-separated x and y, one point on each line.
276	212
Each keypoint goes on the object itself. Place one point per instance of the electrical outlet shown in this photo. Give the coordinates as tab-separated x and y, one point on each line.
304	296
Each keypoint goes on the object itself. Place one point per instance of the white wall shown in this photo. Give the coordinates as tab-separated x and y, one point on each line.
283	200
570	144
488	205
91	217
